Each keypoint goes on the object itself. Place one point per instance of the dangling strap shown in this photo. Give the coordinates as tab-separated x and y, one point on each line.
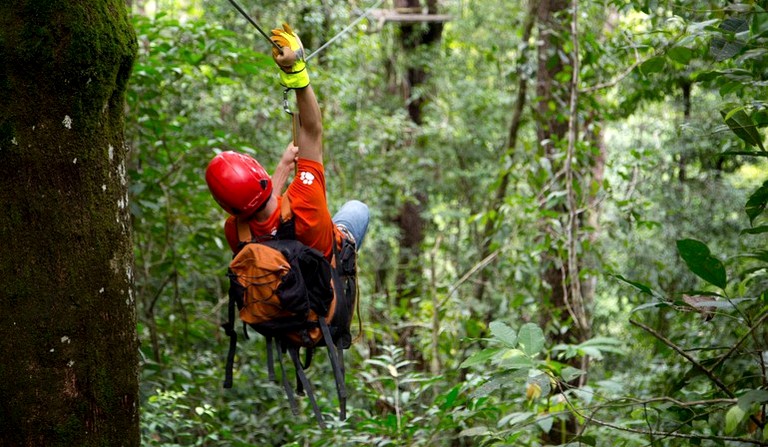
294	352
308	355
270	360
336	364
342	404
338	373
286	385
229	329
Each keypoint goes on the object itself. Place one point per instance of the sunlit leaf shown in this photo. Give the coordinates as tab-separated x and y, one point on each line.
474	431
733	418
480	357
545	423
515	359
531	339
515	418
503	333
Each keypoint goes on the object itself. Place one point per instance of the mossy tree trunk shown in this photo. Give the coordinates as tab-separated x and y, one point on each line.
69	374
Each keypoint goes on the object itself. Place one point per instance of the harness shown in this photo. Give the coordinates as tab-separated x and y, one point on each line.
335	330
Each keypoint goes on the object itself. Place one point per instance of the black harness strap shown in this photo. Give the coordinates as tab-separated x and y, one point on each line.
338	371
286	385
270	360
294	353
229	329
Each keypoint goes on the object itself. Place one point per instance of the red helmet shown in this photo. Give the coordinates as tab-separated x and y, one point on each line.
238	183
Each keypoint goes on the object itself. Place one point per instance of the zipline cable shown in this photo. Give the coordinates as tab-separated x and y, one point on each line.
345	30
323	46
256	25
286	108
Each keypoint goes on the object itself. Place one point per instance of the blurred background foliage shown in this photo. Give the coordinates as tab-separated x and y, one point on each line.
455	350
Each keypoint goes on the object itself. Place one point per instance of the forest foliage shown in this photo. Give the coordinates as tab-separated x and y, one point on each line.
669	97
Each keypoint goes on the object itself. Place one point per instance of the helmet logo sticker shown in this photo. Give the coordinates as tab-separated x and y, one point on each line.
307	178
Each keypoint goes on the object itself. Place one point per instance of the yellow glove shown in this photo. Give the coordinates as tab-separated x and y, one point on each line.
294	70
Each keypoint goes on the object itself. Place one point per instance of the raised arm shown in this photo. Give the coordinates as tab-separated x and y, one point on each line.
310	125
294	76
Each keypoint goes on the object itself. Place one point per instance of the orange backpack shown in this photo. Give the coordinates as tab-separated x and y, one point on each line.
292	295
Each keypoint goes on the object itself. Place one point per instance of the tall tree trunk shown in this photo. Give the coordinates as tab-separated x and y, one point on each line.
67	316
410	220
564	311
511	143
552	132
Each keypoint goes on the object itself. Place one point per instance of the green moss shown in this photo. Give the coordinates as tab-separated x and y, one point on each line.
62	59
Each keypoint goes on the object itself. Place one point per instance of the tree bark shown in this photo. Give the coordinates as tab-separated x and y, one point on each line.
511	143
410	220
67	316
564	313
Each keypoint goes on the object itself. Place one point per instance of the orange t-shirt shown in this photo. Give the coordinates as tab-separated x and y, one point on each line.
309	207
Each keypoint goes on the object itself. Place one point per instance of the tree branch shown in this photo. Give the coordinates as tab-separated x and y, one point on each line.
713	378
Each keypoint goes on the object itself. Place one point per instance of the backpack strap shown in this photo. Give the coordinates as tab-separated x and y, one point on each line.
229	329
338	368
270	360
244	235
287	227
288	390
294	353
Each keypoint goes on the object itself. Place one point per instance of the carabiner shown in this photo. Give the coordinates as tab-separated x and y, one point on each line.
286	107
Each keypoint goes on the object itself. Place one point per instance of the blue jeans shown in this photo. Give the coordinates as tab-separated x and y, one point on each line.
354	216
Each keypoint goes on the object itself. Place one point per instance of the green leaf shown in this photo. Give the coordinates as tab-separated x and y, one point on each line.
652	65
475	431
531	339
722	48
488	387
681	55
757	230
480	357
757	202
515	418
733	418
587	440
705	76
701	262
545	422
639	286
742	125
592	352
503	333
759	24
651	305
752	397
569	373
515	359
450	398
603	344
